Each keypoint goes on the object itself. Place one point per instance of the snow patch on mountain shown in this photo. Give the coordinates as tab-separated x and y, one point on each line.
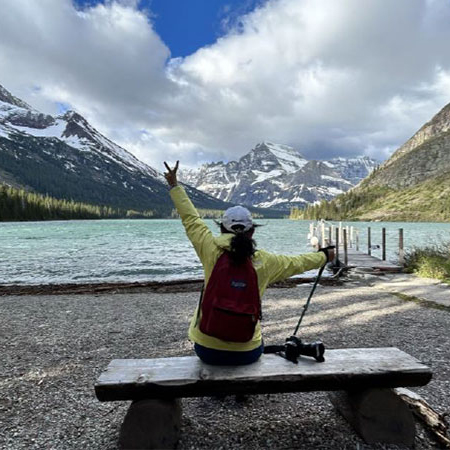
54	130
289	159
70	128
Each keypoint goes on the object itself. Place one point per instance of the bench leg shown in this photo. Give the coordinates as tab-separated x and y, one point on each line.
378	415
151	424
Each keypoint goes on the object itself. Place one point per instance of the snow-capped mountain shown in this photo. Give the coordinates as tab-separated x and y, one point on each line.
274	175
70	128
66	157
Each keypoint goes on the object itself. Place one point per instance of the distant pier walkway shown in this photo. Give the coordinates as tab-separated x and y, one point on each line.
346	240
359	260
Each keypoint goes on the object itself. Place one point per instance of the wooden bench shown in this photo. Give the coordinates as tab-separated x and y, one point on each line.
361	378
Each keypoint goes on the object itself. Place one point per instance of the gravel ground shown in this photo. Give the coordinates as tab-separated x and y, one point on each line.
54	347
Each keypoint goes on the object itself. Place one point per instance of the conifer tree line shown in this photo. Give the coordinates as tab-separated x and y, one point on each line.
428	201
20	205
343	207
327	210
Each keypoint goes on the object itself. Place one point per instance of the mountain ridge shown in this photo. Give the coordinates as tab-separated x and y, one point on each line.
66	157
438	124
278	175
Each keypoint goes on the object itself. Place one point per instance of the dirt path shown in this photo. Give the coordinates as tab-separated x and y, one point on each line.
53	348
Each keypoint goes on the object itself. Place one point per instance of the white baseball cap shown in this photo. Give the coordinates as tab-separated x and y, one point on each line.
237	215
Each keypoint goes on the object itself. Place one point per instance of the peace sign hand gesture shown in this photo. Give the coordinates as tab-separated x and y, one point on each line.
171	175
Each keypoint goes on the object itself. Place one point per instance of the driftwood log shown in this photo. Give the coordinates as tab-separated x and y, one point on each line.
433	421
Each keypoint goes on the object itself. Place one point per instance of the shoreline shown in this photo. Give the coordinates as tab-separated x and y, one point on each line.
186	285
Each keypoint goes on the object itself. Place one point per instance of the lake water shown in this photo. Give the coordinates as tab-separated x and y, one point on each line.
155	250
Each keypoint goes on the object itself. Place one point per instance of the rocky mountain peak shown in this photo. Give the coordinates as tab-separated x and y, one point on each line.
16	112
279	151
275	175
73	116
77	125
270	157
439	124
24	117
7	97
441	121
423	157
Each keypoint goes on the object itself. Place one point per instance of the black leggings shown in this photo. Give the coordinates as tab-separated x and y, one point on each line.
227	358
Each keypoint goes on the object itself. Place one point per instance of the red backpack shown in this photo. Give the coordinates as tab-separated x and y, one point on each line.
231	306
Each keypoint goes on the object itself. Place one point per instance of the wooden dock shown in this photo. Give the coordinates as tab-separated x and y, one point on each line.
360	260
346	239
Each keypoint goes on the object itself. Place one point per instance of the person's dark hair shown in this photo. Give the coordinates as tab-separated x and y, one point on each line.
242	245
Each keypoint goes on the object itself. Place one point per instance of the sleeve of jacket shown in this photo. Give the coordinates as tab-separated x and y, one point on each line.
280	267
197	231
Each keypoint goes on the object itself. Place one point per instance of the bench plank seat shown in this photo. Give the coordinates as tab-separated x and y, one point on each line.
343	369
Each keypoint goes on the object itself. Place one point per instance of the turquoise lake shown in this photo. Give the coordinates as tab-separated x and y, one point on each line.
156	250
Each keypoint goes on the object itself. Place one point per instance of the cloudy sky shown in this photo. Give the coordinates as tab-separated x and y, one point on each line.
205	80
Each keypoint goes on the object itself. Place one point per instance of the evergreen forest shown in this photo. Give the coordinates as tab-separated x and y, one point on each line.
20	205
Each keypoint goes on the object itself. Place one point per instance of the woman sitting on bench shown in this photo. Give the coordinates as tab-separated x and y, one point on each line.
226	327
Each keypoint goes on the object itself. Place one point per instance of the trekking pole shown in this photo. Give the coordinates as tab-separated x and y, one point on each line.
293	347
305	307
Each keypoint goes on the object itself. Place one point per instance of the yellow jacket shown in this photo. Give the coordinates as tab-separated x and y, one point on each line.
269	267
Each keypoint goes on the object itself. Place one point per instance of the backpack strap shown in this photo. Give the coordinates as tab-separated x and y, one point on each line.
200	299
199	304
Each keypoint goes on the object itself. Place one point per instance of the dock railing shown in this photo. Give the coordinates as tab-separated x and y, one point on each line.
323	233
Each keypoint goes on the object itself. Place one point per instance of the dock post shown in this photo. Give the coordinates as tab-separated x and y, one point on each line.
345	247
351	236
330	235
347	230
323	233
383	243
337	244
401	251
357	239
340	232
369	243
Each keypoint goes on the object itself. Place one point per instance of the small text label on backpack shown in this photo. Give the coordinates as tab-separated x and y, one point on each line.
238	284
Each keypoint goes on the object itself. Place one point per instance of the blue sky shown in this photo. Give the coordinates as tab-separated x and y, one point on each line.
206	80
187	25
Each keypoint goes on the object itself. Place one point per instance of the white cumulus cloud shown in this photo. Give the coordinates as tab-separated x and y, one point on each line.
329	77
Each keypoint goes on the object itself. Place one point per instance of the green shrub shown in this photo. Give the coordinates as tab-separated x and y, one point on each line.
430	262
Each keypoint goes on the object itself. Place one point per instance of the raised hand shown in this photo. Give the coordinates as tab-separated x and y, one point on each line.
331	255
171	175
329	252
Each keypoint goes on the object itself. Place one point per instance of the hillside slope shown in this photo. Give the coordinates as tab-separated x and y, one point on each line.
412	185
